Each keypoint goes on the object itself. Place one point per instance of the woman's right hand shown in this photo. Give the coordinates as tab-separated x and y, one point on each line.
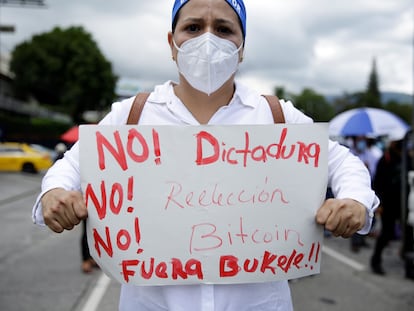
63	209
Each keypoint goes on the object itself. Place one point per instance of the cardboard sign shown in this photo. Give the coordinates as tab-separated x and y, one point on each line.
204	204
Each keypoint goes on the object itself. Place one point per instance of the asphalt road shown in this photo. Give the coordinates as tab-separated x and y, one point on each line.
40	270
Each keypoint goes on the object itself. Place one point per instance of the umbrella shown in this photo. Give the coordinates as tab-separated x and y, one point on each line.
71	135
373	122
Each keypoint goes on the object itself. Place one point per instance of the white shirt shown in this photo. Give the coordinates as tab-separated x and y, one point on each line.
348	178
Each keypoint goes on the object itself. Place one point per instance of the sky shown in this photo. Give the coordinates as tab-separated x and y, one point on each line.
328	46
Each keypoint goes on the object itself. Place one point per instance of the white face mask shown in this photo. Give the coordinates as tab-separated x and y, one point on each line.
207	61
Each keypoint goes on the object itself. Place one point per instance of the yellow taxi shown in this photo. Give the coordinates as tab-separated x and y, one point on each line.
23	157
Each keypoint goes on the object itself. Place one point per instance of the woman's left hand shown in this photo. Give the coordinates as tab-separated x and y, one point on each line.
343	217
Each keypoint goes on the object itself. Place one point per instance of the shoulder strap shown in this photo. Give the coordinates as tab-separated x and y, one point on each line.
136	108
276	109
141	98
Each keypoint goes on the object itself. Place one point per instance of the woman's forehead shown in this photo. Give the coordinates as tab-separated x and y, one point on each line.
211	10
218	9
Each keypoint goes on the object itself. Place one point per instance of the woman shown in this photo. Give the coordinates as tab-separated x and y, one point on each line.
207	43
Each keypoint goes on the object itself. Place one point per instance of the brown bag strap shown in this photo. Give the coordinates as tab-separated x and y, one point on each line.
277	112
141	99
136	108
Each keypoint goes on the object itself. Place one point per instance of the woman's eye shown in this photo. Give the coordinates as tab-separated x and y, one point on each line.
224	30
193	28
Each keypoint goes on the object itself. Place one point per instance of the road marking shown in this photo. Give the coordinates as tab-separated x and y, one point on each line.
338	256
97	293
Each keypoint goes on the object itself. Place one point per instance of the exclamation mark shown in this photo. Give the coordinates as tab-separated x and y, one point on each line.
138	234
130	194
314	255
311	252
137	231
317	253
157	150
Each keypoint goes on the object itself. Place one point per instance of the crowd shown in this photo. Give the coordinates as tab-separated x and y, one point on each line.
388	161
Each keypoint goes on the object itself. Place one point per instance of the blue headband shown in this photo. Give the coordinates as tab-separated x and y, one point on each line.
237	5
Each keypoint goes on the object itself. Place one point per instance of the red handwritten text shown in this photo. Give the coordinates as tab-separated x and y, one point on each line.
304	153
163	270
116	198
206	236
137	148
121	237
230	266
217	197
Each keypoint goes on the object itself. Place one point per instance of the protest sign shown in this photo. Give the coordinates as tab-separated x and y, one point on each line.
204	204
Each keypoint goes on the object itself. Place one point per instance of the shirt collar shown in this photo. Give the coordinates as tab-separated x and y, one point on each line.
243	95
162	93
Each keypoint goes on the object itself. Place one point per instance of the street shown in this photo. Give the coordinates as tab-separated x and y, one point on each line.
40	270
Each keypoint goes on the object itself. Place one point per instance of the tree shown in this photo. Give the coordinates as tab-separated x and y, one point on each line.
349	101
314	105
404	111
64	68
280	92
372	97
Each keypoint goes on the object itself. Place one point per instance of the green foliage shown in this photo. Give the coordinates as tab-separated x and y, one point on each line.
314	105
349	101
404	111
22	128
64	68
280	92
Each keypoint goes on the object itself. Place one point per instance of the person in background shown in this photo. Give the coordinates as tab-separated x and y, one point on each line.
88	263
387	184
360	148
207	40
363	148
374	147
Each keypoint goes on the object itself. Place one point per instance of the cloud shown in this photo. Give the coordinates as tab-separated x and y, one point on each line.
322	44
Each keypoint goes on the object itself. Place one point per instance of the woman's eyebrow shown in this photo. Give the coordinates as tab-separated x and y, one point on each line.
192	20
223	21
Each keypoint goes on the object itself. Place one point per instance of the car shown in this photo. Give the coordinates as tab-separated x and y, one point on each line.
15	156
44	149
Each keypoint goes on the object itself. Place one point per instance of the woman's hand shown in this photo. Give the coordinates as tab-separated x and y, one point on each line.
343	217
63	209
